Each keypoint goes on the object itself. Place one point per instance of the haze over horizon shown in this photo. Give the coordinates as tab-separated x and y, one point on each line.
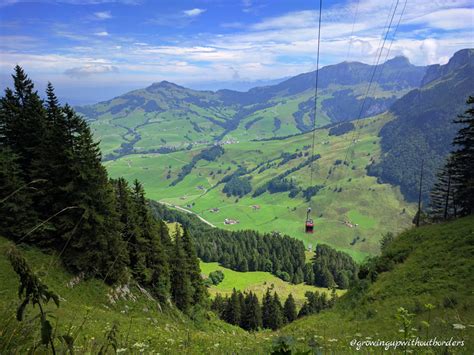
95	49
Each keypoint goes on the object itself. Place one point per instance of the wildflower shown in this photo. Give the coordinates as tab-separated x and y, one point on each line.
140	345
459	326
121	350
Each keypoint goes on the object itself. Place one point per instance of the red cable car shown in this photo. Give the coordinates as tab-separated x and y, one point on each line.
309	226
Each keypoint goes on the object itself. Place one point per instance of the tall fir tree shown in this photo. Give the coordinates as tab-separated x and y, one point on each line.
153	235
462	160
267	308
17	214
98	248
251	313
289	309
181	289
22	121
233	311
131	231
218	305
193	269
442	197
277	319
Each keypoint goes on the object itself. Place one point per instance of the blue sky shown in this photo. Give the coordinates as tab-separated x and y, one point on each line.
95	49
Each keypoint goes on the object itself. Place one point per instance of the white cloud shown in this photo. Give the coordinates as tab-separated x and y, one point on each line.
450	19
91	69
194	12
273	47
103	15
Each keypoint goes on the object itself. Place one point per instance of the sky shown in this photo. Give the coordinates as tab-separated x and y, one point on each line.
92	50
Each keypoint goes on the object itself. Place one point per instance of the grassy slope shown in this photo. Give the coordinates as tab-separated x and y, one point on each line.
439	270
141	324
190	116
258	282
377	208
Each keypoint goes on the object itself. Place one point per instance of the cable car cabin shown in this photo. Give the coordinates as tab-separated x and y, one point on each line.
309	227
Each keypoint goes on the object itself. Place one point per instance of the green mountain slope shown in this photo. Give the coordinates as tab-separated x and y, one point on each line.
351	212
166	116
422	127
89	309
430	265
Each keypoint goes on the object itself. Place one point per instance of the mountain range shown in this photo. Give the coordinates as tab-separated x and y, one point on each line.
262	112
423	100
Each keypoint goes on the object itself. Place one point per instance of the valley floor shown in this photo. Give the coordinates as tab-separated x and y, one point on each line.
351	212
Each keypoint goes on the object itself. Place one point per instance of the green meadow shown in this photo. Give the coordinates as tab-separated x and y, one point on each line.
258	282
351	212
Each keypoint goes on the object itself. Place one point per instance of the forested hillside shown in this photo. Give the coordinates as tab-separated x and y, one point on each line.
56	195
422	128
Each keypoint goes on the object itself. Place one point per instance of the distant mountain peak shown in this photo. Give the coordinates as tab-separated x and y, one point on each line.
459	59
398	61
164	84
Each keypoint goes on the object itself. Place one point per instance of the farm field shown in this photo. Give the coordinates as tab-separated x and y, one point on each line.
351	212
258	282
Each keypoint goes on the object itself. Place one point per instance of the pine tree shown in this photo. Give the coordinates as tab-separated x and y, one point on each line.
342	280
181	288
462	163
304	311
193	269
15	202
267	308
251	314
277	318
442	204
327	280
158	262
149	255
233	312
131	231
22	121
298	276
22	129
289	309
218	305
309	274
97	248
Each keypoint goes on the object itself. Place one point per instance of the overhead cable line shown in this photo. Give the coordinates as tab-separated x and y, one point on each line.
371	80
316	93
